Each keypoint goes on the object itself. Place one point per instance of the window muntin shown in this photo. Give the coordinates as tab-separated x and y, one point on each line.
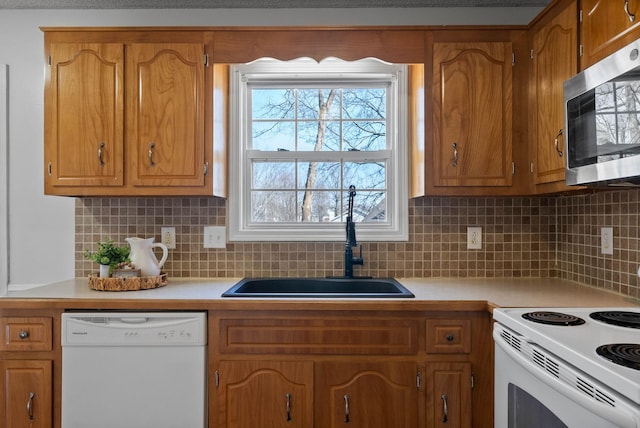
303	133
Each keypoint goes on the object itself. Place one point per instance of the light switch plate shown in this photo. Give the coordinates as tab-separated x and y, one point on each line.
606	240
215	237
474	238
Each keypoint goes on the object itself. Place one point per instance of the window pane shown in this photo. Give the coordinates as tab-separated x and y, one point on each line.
272	104
318	103
272	136
273	175
364	175
318	136
368	207
273	207
365	136
365	103
318	175
319	206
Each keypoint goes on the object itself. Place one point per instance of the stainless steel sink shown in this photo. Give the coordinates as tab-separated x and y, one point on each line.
318	287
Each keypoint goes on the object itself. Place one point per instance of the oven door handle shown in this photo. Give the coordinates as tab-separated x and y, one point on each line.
620	415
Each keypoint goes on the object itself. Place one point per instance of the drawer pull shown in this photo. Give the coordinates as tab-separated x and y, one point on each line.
152	146
23	334
100	147
555	144
346	408
630	15
30	405
445	409
449	337
455	154
288	397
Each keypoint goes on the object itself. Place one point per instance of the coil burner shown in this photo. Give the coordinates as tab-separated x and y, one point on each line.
553	318
624	354
619	318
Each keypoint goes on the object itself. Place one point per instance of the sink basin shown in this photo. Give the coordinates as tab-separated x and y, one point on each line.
318	287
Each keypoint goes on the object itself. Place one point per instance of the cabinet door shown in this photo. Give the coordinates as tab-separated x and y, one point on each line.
165	133
449	395
554	61
472	114
366	395
84	116
25	397
606	27
271	394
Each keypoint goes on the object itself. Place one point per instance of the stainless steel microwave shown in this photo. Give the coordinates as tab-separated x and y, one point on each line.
602	114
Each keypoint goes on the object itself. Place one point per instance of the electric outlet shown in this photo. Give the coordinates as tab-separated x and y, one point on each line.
474	238
606	240
215	237
168	237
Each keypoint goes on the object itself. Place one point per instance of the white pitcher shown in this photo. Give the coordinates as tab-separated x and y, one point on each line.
143	257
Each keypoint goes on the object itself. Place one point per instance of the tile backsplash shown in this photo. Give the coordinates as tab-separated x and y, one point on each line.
521	237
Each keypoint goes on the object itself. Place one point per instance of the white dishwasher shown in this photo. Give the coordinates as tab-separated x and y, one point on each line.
134	370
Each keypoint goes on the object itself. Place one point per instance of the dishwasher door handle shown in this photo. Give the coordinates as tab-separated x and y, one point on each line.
134	320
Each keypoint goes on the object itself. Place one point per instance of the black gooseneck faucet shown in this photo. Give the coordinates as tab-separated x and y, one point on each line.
349	259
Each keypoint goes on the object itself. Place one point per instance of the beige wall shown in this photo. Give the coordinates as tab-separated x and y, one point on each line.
518	239
579	221
522	237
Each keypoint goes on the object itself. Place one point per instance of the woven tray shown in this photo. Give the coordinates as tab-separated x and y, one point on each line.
127	284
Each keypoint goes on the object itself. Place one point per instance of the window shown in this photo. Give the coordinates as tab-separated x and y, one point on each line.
302	133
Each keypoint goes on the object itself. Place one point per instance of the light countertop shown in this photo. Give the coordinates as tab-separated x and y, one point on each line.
449	293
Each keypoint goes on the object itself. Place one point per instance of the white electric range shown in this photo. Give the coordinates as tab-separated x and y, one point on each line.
567	367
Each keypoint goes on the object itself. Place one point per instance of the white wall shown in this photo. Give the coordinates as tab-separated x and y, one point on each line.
4	212
41	228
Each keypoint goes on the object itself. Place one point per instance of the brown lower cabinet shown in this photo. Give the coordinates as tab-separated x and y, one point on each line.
366	394
323	368
449	395
27	355
276	393
25	398
351	369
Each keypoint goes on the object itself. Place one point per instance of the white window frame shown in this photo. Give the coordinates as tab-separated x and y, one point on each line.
240	227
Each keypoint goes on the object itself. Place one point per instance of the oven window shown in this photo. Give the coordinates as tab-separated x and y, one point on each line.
525	411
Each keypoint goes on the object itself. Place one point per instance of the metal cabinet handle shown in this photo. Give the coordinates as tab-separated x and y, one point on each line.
455	154
449	337
30	405
445	408
631	16
23	334
100	147
346	408
288	396
152	146
555	143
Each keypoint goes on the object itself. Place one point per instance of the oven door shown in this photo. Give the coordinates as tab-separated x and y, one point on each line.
534	388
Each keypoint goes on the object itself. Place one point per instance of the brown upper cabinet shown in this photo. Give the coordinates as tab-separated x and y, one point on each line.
607	26
84	143
144	111
471	146
125	116
554	59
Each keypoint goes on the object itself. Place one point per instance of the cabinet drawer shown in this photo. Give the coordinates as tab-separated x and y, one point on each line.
25	334
336	336
446	336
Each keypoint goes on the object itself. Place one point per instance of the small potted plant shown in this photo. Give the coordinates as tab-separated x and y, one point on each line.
108	256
